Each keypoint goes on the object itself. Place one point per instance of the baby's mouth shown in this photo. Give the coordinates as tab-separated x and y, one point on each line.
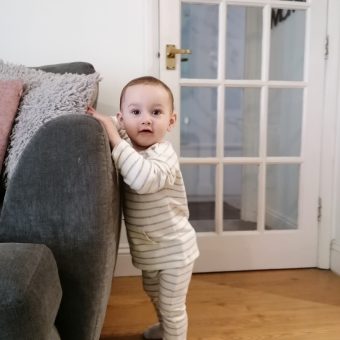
145	131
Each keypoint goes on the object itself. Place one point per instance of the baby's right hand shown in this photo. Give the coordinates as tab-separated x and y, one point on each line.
108	125
91	111
105	120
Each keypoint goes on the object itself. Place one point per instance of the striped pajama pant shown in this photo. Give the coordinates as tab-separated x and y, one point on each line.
167	290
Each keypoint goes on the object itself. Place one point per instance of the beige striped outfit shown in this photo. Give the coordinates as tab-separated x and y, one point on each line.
162	241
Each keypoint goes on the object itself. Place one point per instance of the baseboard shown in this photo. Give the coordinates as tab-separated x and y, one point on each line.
124	266
335	257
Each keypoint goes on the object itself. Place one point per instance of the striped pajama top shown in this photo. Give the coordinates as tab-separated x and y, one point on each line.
155	207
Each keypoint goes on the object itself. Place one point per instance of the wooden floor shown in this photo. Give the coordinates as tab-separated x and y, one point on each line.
261	305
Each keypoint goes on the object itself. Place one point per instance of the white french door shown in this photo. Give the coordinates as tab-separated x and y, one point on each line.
249	100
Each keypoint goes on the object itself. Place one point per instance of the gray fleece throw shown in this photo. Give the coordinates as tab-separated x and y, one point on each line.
46	96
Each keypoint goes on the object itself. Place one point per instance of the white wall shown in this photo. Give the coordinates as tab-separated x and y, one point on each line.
335	248
112	35
335	208
330	181
120	38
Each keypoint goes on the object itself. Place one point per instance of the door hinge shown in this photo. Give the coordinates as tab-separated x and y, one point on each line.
319	209
327	47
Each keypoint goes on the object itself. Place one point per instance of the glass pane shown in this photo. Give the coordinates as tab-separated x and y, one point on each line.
199	33
241	132
287	44
284	122
240	197
198	121
282	196
244	42
200	187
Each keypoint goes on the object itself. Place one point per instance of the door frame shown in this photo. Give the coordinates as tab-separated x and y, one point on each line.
153	60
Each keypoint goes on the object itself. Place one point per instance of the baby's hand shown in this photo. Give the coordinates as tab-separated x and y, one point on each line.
108	125
92	112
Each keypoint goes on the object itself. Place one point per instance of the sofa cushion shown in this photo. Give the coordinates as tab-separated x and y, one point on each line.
47	95
10	94
30	291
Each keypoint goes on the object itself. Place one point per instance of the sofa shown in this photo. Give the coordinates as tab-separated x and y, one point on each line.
59	230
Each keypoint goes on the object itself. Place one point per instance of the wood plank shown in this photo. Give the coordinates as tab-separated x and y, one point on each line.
296	304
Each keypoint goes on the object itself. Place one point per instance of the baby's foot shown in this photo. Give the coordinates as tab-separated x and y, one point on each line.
153	332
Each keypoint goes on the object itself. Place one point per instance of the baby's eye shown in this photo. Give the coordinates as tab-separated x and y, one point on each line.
156	112
135	112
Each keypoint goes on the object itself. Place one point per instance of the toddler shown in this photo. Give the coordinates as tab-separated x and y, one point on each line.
161	239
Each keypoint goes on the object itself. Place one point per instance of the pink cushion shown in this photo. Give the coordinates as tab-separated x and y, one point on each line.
10	94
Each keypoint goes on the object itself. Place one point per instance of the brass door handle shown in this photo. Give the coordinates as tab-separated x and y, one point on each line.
171	52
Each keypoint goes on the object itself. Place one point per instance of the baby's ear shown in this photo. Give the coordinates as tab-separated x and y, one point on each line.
172	121
120	119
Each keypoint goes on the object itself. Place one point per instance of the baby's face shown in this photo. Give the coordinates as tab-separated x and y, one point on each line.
146	114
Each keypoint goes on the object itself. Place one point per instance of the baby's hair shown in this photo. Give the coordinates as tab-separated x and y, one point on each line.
146	80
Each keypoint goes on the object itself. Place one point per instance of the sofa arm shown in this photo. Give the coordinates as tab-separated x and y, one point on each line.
30	292
64	193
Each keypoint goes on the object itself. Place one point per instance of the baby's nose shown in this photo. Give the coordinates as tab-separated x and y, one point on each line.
146	119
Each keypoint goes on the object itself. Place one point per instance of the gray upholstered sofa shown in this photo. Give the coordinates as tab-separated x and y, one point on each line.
59	232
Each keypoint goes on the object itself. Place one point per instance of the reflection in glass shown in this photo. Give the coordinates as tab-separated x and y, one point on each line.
199	33
198	121
244	42
287	44
200	187
284	122
240	197
242	111
282	196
